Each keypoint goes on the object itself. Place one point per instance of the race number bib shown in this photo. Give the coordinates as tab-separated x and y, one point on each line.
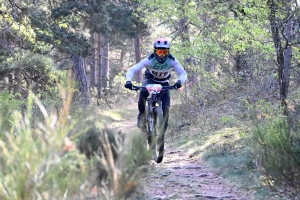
159	74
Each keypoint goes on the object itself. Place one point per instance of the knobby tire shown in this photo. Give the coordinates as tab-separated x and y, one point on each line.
156	142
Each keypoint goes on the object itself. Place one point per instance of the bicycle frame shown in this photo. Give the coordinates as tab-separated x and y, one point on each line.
152	101
154	123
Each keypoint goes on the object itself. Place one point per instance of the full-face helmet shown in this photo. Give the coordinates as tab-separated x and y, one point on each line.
161	49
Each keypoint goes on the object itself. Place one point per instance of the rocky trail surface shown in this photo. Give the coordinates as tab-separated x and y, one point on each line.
181	177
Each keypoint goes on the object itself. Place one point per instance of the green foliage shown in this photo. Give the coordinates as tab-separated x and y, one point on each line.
126	20
38	161
219	30
118	84
33	163
134	162
276	148
53	27
62	38
6	63
8	105
89	142
118	164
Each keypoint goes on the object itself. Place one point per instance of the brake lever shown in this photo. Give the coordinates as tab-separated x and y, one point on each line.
135	88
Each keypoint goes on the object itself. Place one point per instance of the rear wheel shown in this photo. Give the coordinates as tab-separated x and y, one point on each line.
156	141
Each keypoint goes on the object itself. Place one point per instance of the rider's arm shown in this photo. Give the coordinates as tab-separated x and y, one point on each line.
137	67
182	76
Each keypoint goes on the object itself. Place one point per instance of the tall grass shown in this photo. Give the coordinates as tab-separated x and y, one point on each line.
123	173
38	159
33	162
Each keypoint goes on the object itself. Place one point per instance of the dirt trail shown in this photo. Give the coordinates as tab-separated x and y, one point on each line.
181	177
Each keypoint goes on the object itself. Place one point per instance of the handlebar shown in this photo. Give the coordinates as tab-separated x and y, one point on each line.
137	88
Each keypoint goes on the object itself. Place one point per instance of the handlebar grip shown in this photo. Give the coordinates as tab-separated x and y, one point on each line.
135	88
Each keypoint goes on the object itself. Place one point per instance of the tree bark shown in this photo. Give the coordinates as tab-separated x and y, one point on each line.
288	48
18	76
137	51
283	53
99	71
104	61
80	75
93	61
123	53
17	80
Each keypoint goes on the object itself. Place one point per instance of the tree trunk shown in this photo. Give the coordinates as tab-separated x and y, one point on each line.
137	51
241	58
10	82
80	75
18	76
104	61
123	53
288	50
93	61
99	71
283	53
17	80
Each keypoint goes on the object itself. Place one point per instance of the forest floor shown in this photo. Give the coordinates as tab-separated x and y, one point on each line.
181	176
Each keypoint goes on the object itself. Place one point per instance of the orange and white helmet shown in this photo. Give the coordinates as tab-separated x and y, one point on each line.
161	43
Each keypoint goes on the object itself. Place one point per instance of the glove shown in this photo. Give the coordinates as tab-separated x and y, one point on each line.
177	85
128	85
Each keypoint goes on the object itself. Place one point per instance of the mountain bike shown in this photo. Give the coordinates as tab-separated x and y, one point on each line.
153	120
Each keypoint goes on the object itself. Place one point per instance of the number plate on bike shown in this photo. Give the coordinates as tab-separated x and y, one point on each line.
154	88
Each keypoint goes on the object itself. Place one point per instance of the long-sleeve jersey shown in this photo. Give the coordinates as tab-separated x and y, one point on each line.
160	71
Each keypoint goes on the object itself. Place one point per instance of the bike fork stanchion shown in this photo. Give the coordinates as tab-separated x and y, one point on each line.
150	119
160	104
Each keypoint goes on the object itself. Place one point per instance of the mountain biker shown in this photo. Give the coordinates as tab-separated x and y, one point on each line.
158	67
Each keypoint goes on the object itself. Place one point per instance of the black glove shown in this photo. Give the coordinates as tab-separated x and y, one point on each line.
177	85
128	85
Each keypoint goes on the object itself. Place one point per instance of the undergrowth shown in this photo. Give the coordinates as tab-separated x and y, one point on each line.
39	158
34	164
226	142
276	144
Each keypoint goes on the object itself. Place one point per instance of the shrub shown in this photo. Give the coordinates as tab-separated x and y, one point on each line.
34	163
7	105
38	159
276	148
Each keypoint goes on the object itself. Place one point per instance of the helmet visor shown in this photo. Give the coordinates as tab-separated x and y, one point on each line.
161	52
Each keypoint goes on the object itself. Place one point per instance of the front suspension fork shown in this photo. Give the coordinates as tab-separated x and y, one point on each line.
150	118
151	104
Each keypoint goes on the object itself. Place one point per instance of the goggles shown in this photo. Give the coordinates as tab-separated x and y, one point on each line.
161	52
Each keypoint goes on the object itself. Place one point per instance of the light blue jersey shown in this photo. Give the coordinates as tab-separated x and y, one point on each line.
160	71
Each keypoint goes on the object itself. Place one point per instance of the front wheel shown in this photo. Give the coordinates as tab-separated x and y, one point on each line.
156	141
